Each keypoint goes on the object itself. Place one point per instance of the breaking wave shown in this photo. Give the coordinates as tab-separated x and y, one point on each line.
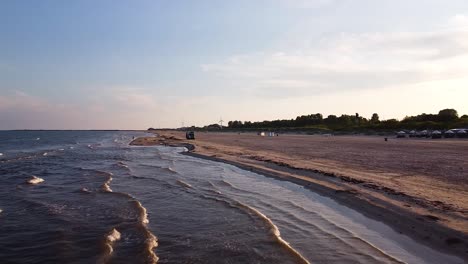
275	231
105	187
151	240
184	184
273	228
25	156
110	238
171	170
123	165
34	180
85	190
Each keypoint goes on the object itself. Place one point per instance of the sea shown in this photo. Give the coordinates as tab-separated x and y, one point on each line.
90	197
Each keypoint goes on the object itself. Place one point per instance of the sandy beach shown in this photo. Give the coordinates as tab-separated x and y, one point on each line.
417	186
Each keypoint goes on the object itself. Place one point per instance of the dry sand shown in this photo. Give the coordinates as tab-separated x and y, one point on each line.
419	186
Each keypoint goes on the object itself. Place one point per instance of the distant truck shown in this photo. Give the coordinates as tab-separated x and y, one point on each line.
190	135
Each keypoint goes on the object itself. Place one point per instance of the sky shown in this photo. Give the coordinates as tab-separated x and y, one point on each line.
113	64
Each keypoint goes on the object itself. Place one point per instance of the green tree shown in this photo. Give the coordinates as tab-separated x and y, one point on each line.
447	115
375	118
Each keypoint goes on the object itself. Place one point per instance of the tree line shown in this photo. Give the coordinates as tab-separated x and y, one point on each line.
445	119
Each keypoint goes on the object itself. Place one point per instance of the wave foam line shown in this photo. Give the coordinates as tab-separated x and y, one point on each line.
273	228
123	165
110	239
26	157
275	231
167	169
224	182
329	232
105	186
184	184
342	229
151	240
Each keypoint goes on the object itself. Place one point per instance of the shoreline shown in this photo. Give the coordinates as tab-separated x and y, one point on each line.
424	228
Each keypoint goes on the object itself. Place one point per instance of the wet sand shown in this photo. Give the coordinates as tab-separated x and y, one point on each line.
419	187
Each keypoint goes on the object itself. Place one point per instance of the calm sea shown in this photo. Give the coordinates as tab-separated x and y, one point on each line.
103	201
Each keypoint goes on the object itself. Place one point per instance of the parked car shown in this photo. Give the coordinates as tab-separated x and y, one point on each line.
436	134
449	134
401	134
462	133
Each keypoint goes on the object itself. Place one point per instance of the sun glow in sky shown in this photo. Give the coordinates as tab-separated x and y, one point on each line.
135	64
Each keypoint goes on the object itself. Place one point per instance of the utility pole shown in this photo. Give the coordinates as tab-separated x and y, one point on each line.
221	122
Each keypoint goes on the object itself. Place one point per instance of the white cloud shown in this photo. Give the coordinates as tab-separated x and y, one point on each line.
459	21
140	101
351	61
20	110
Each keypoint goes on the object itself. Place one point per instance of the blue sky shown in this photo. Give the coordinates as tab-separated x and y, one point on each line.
135	64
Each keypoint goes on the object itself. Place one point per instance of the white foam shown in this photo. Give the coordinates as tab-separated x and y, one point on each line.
38	138
184	184
113	236
34	180
85	190
105	187
274	229
1	154
1	210
151	243
121	164
45	154
143	213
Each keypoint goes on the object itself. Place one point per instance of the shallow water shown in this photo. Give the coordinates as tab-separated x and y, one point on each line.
106	202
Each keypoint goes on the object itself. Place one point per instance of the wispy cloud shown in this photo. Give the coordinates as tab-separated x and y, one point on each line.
352	61
117	109
20	110
459	21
